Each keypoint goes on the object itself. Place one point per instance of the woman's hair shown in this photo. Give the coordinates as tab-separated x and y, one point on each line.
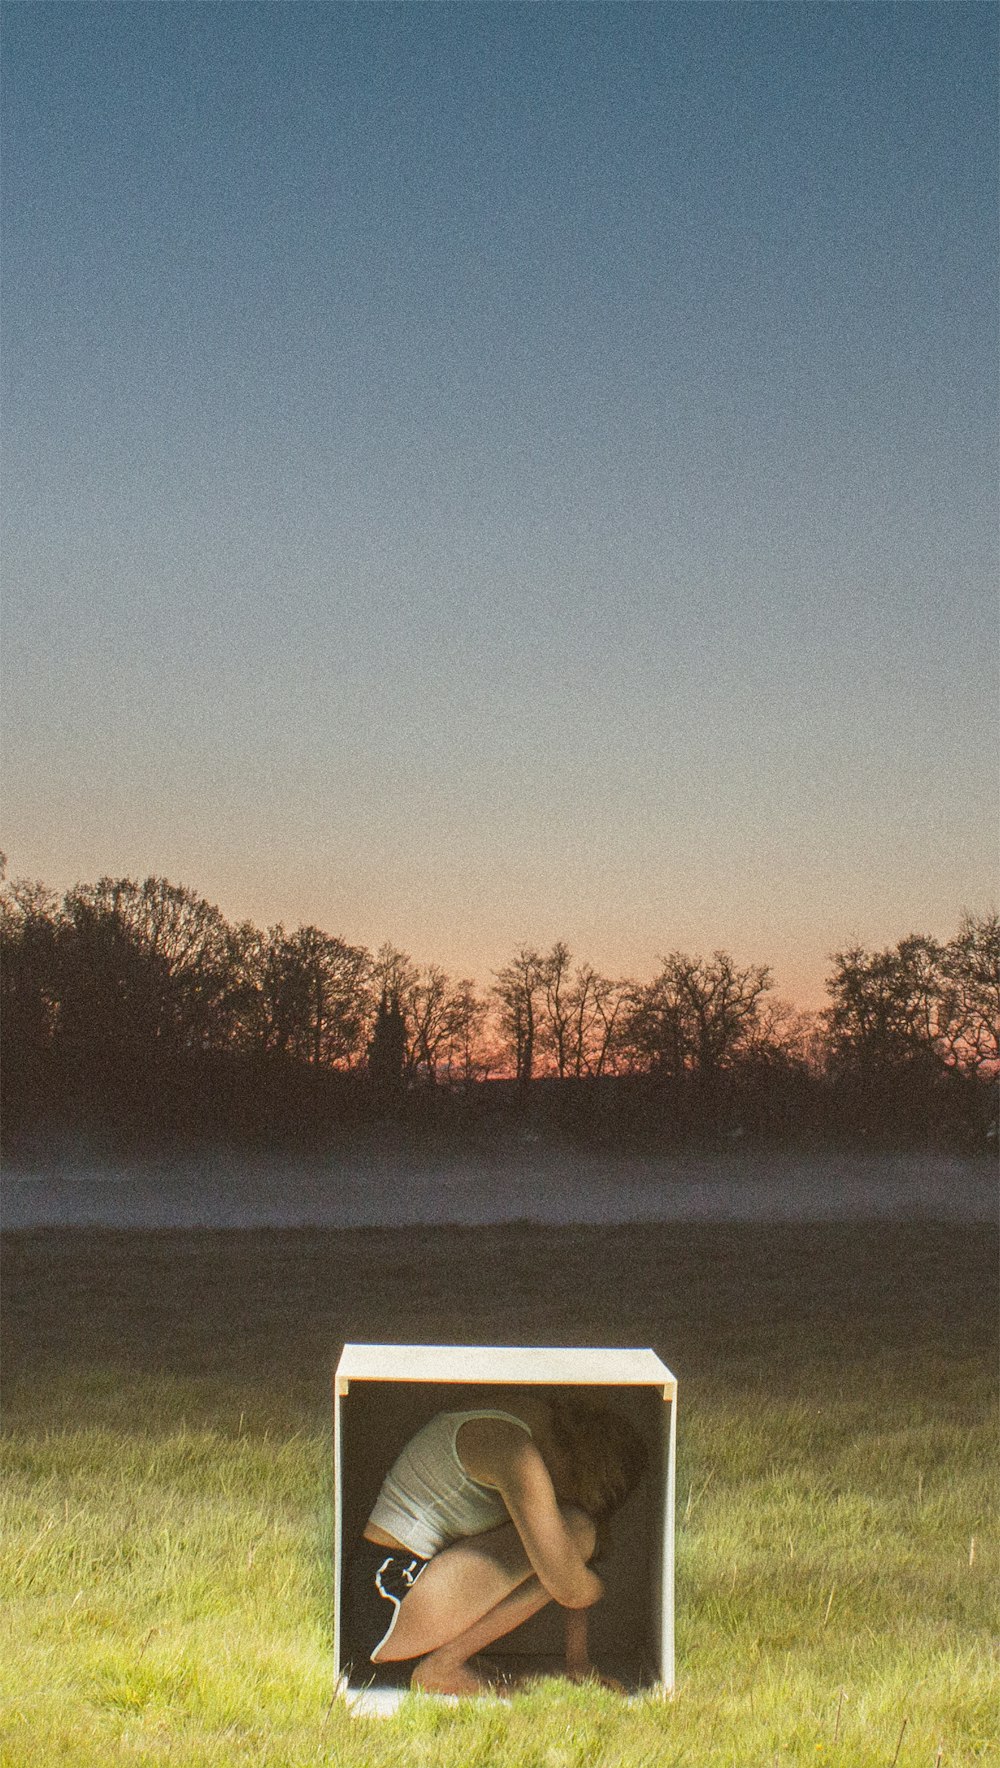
604	1457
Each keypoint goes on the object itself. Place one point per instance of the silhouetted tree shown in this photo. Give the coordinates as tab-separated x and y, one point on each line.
970	1014
887	1008
29	995
137	1006
444	1024
392	973
896	1033
597	1009
698	1015
519	990
465	1056
393	977
143	971
554	972
312	995
250	996
387	1049
426	1015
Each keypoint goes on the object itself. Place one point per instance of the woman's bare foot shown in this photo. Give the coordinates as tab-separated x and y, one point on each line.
439	1674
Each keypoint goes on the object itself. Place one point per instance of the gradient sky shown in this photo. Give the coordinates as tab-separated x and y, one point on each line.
478	474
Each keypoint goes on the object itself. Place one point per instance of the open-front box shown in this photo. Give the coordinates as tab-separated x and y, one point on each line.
383	1393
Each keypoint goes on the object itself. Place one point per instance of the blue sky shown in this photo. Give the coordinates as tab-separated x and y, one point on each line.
481	473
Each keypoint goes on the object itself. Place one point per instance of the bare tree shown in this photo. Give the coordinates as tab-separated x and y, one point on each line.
466	1058
146	962
568	1021
393	973
445	1021
312	995
698	1015
890	1008
519	989
554	974
29	987
969	1024
442	1023
597	1006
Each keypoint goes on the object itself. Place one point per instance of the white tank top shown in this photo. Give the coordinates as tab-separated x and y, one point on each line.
427	1498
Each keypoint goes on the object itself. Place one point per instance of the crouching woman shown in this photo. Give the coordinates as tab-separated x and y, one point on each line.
484	1518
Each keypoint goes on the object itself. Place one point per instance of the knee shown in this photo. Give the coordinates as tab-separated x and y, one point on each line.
581	1527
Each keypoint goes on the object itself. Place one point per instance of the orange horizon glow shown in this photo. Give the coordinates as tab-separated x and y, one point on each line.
799	966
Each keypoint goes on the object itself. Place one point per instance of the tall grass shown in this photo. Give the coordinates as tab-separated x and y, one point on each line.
165	1494
165	1574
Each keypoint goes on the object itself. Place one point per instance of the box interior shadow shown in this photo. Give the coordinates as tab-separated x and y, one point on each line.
379	1417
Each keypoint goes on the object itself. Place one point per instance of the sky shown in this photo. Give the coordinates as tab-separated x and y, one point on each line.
487	474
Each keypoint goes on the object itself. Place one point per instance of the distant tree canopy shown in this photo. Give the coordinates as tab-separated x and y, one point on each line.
141	968
556	1020
140	1001
911	1034
920	1004
698	1016
305	995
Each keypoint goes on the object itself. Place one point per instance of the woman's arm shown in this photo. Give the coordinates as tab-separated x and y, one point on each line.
528	1493
505	1457
578	1663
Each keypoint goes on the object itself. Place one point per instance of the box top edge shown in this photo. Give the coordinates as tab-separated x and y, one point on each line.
619	1364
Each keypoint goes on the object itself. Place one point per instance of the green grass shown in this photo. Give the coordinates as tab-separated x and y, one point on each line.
164	1574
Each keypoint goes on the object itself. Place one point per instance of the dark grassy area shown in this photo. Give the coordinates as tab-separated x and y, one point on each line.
763	1304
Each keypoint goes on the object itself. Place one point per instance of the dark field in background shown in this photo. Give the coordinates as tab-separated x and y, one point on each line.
263	1313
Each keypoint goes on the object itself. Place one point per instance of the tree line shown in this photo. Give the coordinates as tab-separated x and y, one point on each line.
136	1012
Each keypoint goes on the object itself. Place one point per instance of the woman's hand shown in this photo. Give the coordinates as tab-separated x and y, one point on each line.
601	1680
578	1665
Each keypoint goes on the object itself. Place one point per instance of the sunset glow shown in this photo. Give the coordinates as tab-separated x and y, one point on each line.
486	474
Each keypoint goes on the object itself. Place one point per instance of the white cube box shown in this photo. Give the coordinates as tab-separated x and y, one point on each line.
383	1393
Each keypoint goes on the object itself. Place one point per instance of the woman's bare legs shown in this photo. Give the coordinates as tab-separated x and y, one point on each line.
469	1595
446	1670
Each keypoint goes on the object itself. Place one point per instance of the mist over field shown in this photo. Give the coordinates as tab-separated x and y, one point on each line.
550	1188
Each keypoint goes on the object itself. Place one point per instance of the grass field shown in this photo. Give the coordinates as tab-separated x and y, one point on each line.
166	1501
